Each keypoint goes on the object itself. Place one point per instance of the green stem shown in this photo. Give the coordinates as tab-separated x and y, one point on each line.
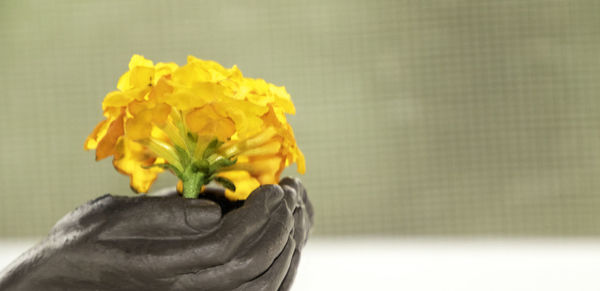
192	182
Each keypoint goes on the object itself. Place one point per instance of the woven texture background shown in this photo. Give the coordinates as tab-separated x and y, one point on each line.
416	117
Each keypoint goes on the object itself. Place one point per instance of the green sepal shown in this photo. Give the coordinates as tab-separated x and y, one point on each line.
201	166
167	166
211	177
192	137
221	163
183	155
211	148
226	183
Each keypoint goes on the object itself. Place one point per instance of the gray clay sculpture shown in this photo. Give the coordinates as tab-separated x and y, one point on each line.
171	243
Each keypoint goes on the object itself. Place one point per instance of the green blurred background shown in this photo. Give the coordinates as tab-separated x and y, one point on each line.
416	117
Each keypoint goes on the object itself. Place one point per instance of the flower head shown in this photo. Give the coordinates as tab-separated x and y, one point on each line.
201	121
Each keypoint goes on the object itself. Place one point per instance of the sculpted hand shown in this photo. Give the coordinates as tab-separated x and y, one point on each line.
171	243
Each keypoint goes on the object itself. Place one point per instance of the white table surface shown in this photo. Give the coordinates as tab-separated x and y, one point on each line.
433	264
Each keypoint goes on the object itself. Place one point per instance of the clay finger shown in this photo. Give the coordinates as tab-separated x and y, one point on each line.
273	277
253	259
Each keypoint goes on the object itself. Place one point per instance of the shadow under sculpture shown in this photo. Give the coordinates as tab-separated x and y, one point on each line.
171	243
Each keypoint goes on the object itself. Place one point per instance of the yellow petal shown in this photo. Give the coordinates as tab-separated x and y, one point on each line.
141	77
301	162
259	166
123	84
257	91
206	121
164	69
280	115
97	134
244	184
186	76
208	70
269	148
141	179
245	116
212	91
106	146
261	138
132	160
268	178
269	164
139	127
127	81
139	60
180	187
185	99
145	115
160	113
116	99
282	99
162	89
136	107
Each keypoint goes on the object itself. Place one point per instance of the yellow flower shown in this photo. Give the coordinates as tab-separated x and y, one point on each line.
202	122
